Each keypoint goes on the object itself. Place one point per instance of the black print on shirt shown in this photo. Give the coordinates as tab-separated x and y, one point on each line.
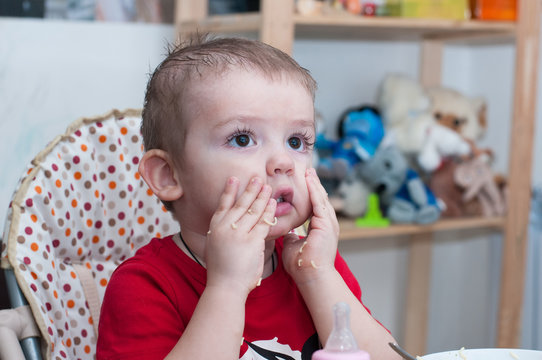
310	346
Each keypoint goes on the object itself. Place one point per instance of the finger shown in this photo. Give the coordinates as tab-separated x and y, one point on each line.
317	194
246	199
255	211
227	199
319	185
266	221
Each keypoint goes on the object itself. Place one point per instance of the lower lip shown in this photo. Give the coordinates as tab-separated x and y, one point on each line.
283	208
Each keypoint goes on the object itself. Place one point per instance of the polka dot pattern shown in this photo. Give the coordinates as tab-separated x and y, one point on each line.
81	201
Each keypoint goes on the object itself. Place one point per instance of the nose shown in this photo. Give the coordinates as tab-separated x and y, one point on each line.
280	162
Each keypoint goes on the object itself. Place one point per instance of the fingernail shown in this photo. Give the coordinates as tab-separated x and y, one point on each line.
255	180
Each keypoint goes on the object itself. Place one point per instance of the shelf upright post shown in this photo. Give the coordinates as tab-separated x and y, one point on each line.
417	297
431	62
421	245
188	10
277	27
519	170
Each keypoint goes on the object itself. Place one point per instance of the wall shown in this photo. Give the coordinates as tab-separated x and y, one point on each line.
54	72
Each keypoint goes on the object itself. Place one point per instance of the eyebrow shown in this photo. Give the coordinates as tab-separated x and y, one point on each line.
304	123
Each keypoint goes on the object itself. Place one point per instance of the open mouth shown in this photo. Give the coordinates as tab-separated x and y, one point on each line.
284	197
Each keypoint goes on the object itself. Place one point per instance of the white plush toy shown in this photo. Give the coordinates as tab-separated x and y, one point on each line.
466	115
441	142
406	111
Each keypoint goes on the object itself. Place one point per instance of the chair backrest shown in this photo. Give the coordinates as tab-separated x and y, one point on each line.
80	209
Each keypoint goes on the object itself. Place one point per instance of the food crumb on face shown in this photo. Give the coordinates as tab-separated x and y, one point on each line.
302	246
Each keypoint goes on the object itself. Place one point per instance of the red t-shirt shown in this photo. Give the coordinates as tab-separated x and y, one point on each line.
151	297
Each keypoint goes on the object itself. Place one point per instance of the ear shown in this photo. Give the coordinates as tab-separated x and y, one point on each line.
160	174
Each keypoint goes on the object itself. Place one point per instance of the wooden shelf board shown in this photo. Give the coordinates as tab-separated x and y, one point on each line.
395	28
345	26
349	230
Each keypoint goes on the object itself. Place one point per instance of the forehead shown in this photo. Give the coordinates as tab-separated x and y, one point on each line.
239	92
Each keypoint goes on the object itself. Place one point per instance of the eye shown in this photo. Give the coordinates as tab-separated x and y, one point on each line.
295	143
241	138
300	142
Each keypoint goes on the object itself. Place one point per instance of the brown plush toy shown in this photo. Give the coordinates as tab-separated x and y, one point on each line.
443	185
478	181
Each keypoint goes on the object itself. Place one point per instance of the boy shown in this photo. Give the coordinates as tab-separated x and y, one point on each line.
228	127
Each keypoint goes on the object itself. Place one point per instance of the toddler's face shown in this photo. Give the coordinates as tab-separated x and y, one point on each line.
244	125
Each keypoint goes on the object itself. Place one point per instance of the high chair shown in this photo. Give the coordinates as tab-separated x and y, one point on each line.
80	209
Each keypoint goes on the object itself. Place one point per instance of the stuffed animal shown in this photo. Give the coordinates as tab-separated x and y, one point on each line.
466	116
406	114
360	133
441	143
403	195
443	185
477	180
351	196
404	107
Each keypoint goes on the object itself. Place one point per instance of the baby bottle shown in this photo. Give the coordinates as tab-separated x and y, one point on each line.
341	344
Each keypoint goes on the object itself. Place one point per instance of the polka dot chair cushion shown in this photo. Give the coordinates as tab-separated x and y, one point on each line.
81	203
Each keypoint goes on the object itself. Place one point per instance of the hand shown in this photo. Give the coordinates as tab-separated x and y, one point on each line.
307	259
234	251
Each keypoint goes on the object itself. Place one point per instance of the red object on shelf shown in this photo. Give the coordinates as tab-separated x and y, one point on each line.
496	9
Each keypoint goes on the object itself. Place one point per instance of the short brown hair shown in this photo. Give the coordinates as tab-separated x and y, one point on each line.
162	123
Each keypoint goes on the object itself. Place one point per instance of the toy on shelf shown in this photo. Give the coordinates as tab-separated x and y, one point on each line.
444	9
504	10
360	133
309	7
441	143
404	197
373	217
407	115
445	188
465	115
478	181
351	196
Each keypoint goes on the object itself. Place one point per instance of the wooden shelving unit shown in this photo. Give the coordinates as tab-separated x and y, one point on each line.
350	26
349	230
278	25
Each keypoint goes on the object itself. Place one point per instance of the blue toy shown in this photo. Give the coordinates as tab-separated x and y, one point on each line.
360	133
403	195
